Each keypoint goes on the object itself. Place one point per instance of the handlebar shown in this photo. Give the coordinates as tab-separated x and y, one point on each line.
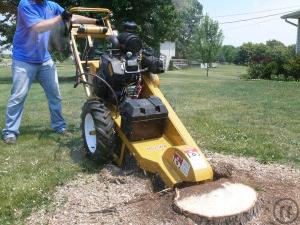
84	9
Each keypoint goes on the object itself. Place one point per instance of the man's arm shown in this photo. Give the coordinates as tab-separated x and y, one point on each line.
51	23
46	25
82	19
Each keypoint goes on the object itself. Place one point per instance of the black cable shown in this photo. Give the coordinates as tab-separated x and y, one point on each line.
255	18
107	84
250	24
86	52
255	12
85	49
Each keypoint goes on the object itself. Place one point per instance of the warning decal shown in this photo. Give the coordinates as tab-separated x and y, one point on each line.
197	160
192	152
182	164
177	159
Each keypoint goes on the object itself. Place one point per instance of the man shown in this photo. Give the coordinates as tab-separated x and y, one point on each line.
32	61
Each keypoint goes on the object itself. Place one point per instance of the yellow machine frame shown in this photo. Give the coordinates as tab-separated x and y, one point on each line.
175	157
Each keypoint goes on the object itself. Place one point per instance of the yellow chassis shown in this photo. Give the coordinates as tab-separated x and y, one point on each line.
175	157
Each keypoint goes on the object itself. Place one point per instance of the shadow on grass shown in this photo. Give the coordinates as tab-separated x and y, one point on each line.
78	155
62	79
5	80
66	79
73	144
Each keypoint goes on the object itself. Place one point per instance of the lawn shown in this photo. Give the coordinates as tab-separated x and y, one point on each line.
222	112
233	116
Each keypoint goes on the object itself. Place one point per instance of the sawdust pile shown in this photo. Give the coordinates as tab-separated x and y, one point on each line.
114	197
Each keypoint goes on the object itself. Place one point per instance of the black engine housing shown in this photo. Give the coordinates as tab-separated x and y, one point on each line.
143	118
113	72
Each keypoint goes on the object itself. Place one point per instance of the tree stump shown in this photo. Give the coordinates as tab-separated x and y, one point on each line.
217	203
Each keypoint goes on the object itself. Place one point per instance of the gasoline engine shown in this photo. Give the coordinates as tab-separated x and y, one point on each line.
121	68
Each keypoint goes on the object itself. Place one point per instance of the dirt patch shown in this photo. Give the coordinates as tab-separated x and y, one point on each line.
117	197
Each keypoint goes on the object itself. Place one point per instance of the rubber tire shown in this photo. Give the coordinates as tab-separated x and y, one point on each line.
104	126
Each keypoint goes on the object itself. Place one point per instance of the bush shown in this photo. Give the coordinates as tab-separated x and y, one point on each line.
272	61
270	69
263	69
274	77
255	70
281	77
273	69
292	68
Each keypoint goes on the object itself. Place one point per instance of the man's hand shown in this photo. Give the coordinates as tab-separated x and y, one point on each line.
66	15
99	22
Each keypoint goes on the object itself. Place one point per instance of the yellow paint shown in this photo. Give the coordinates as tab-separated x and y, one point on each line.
84	9
175	156
155	79
156	155
92	29
121	158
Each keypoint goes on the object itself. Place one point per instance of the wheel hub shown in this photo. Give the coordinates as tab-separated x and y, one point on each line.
90	133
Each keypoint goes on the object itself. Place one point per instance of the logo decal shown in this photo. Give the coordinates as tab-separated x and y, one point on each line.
156	148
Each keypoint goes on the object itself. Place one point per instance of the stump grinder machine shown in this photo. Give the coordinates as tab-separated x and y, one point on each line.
126	114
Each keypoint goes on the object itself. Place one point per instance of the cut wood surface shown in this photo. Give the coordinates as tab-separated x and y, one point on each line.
218	202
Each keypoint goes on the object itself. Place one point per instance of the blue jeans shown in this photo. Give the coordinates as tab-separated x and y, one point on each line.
23	75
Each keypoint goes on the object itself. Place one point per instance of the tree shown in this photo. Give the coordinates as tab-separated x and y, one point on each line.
249	52
7	23
190	14
279	53
206	41
228	53
157	19
292	50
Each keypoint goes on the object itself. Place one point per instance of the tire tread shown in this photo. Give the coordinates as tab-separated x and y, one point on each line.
104	126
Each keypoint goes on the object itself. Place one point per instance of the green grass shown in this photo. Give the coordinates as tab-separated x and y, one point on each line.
222	112
233	116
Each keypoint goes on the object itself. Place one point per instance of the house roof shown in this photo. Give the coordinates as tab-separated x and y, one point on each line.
293	15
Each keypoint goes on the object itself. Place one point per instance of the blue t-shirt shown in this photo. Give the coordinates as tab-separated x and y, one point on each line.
28	45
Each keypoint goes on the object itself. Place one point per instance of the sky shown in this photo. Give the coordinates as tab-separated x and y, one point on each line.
256	31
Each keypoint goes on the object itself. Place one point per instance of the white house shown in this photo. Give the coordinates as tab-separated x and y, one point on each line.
294	15
167	51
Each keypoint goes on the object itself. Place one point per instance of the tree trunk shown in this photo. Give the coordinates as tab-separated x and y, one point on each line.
217	203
